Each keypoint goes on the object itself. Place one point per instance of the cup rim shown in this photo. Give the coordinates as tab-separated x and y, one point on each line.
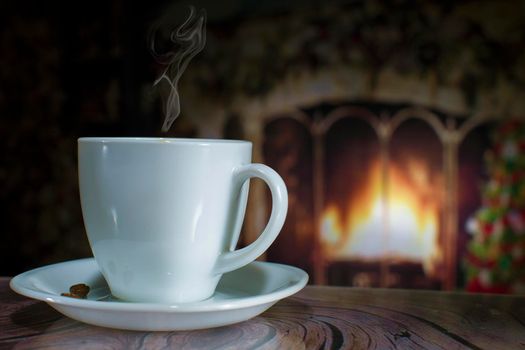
167	140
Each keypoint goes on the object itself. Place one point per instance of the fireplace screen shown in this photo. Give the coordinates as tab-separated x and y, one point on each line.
373	193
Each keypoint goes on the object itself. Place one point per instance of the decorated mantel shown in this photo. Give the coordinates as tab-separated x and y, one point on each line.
463	60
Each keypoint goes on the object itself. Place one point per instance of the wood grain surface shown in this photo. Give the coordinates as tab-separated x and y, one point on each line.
315	318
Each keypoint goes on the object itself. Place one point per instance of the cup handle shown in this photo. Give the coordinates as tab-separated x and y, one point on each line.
233	260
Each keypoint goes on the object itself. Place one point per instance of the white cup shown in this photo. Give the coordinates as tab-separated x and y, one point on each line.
163	216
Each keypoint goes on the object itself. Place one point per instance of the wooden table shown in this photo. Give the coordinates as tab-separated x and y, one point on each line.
315	318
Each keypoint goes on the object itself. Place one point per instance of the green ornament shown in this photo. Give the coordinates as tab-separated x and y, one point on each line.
479	250
505	262
487	215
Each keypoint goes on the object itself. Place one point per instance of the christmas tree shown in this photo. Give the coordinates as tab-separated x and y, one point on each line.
495	260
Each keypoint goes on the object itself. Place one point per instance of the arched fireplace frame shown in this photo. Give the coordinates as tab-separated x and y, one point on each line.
450	130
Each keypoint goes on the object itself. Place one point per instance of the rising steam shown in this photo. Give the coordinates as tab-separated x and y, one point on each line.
186	41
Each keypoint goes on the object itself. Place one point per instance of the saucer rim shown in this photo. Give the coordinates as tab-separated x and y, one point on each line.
297	281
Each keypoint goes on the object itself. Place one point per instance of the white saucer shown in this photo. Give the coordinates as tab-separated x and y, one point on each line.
241	295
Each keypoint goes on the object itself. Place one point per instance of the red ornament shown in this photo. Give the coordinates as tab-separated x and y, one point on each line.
475	286
476	261
487	228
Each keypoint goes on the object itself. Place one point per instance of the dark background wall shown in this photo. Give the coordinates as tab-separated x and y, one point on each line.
67	70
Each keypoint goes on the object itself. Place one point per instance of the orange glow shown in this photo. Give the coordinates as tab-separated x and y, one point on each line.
403	224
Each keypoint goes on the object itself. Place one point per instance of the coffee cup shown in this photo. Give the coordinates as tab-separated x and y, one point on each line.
163	215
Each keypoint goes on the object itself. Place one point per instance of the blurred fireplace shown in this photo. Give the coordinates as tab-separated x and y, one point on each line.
379	193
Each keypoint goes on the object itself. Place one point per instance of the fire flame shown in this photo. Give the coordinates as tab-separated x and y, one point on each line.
400	221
